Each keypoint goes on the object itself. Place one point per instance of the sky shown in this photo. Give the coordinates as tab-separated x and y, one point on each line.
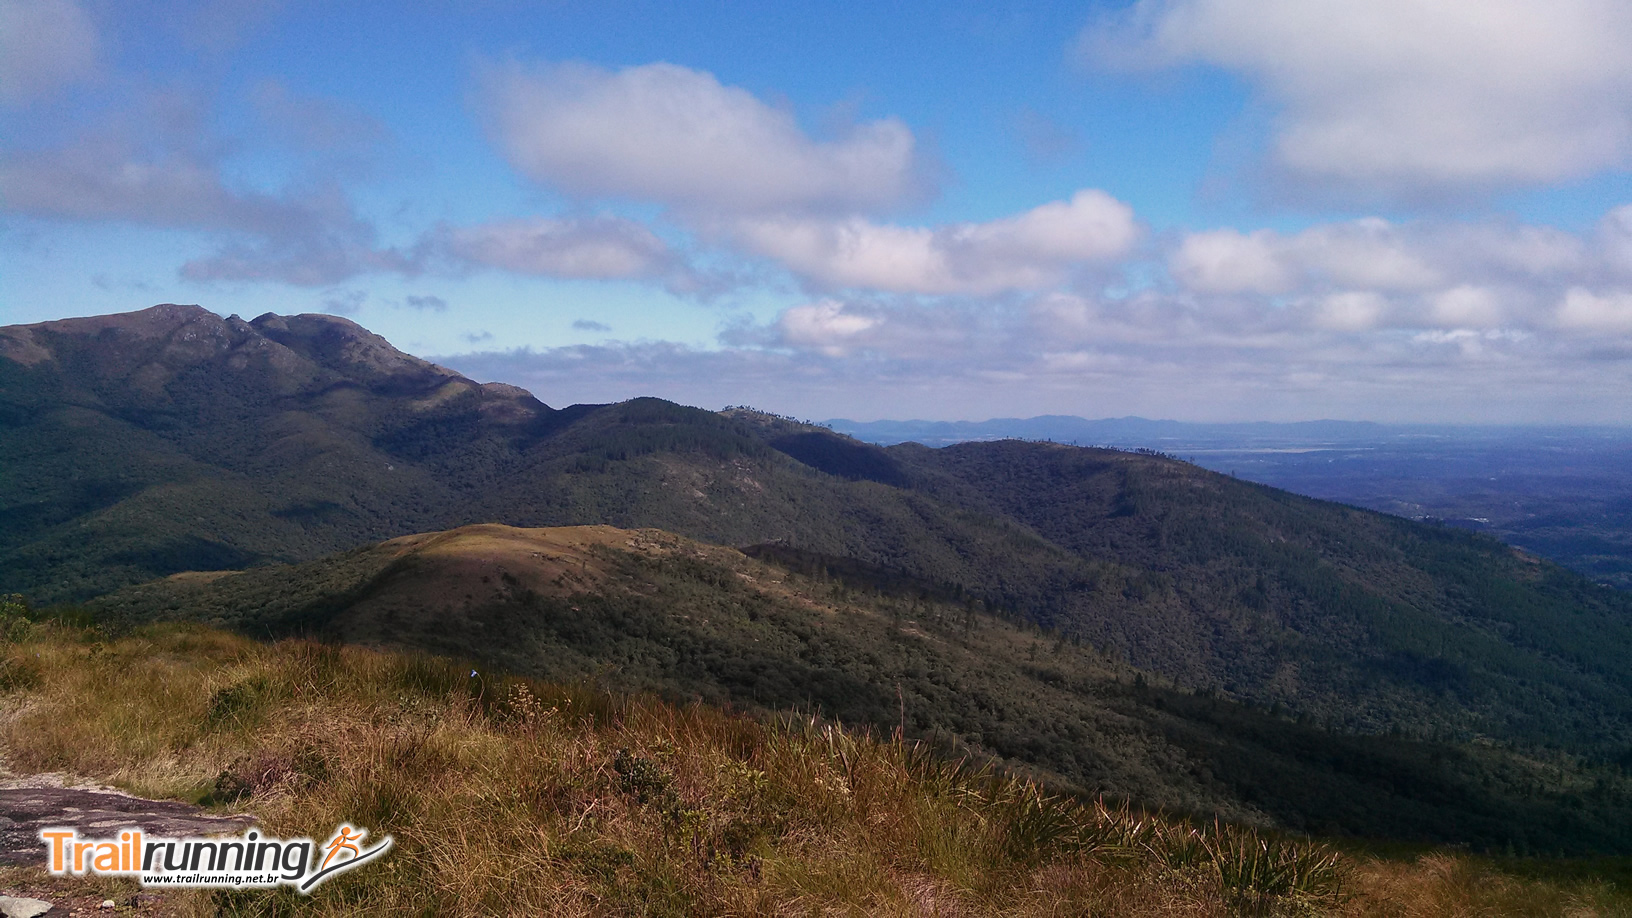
1210	210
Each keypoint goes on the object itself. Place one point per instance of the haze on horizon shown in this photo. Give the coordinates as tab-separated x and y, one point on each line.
1207	210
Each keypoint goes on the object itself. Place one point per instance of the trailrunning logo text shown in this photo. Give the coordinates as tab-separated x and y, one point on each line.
236	862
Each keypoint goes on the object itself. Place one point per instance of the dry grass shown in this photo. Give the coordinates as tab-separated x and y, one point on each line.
515	797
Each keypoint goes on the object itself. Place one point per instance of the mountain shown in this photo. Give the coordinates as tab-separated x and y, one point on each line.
649	611
172	439
141	445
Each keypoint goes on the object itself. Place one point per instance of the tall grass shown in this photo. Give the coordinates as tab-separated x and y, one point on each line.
509	796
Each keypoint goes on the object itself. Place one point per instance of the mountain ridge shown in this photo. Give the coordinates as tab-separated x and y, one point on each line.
287	441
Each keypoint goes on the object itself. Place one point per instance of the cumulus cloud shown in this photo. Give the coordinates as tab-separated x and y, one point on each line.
45	45
1228	261
1363	274
827	326
1348	319
1370	306
1368	253
666	133
1363	253
1403	96
1027	251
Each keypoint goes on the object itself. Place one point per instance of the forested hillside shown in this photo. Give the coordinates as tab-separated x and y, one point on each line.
140	445
649	611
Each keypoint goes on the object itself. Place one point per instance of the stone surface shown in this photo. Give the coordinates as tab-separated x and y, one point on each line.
37	802
16	907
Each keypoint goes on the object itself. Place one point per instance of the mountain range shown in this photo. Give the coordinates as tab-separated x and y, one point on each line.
169	440
1123	431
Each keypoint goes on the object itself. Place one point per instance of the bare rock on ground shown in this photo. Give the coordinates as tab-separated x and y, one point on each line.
18	907
30	804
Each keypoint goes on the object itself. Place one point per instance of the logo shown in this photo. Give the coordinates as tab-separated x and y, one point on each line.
236	862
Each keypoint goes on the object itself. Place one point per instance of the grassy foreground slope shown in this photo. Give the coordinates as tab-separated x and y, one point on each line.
511	796
650	611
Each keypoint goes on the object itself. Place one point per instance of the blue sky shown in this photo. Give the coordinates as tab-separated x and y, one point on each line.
1404	210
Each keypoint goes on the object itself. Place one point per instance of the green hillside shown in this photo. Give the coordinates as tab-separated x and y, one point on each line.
166	440
649	611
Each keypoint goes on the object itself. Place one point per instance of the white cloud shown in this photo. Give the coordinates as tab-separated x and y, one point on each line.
600	248
1583	310
1228	261
1520	252
45	45
1428	321
1369	253
1448	275
1374	254
1465	306
828	326
1027	251
1350	311
665	133
1363	253
1406	95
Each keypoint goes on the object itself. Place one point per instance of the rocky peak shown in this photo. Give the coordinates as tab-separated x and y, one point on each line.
145	350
